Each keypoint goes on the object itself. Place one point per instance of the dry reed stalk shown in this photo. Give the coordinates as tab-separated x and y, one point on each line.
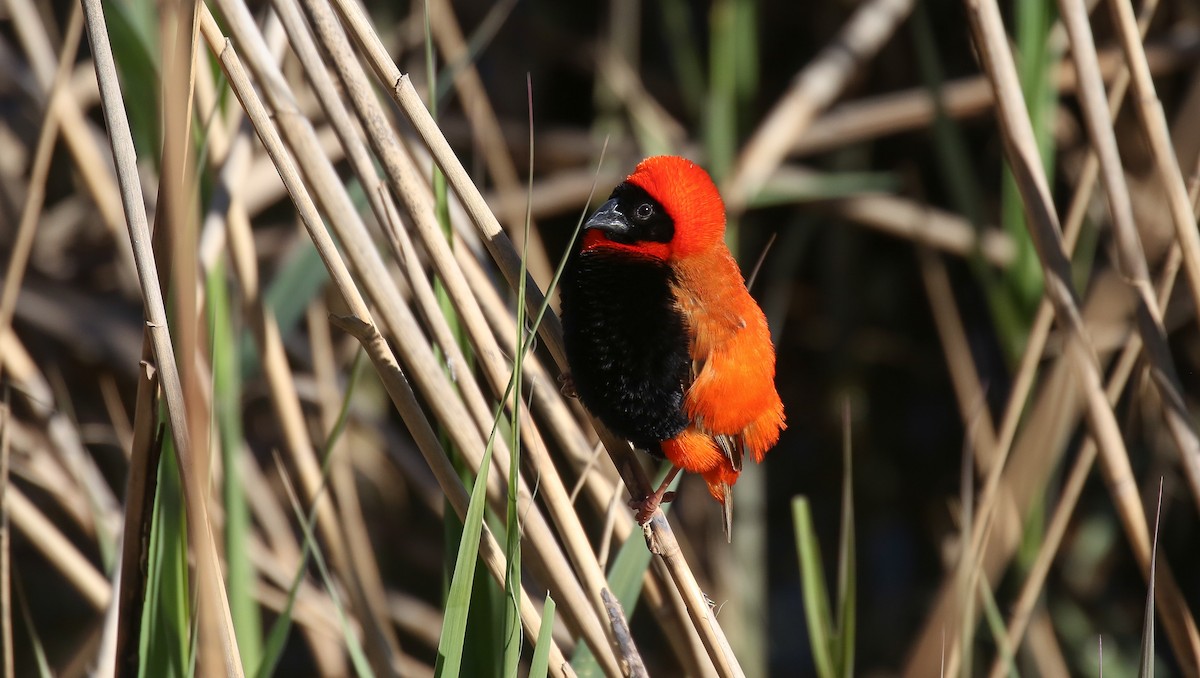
990	499
926	225
485	127
670	609
1073	487
76	132
1154	124
1039	330
6	607
379	642
140	487
280	381
301	452
1131	259
360	323
367	589
406	183
35	195
502	250
913	109
211	587
175	216
972	403
812	90
1020	146
45	536
1068	497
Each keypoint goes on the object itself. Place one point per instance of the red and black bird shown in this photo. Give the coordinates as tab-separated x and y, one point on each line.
666	346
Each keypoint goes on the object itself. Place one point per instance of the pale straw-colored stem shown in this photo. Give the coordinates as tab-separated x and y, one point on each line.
212	598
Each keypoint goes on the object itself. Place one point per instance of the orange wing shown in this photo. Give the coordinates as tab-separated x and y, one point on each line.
732	402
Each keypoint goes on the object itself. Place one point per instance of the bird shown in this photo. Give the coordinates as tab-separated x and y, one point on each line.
664	343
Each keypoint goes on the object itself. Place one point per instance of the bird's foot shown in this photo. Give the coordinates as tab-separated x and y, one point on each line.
644	508
566	385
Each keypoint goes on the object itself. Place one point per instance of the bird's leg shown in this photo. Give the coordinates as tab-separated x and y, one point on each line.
566	385
646	506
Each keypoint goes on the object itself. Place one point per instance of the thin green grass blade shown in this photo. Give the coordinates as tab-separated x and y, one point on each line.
458	602
685	55
512	579
277	637
821	633
847	558
998	629
133	30
227	398
479	649
720	109
1033	19
39	651
958	173
540	665
358	658
562	262
166	615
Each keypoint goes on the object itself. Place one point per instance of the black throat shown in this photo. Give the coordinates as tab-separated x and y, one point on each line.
627	344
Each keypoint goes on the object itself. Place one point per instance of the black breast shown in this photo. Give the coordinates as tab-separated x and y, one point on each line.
626	344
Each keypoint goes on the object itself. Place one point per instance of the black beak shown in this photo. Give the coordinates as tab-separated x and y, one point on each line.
609	219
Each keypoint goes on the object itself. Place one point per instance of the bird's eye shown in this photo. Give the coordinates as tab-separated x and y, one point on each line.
644	211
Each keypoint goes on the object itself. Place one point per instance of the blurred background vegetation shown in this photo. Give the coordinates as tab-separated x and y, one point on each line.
859	148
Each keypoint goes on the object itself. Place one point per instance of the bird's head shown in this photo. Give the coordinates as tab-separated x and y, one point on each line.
667	209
